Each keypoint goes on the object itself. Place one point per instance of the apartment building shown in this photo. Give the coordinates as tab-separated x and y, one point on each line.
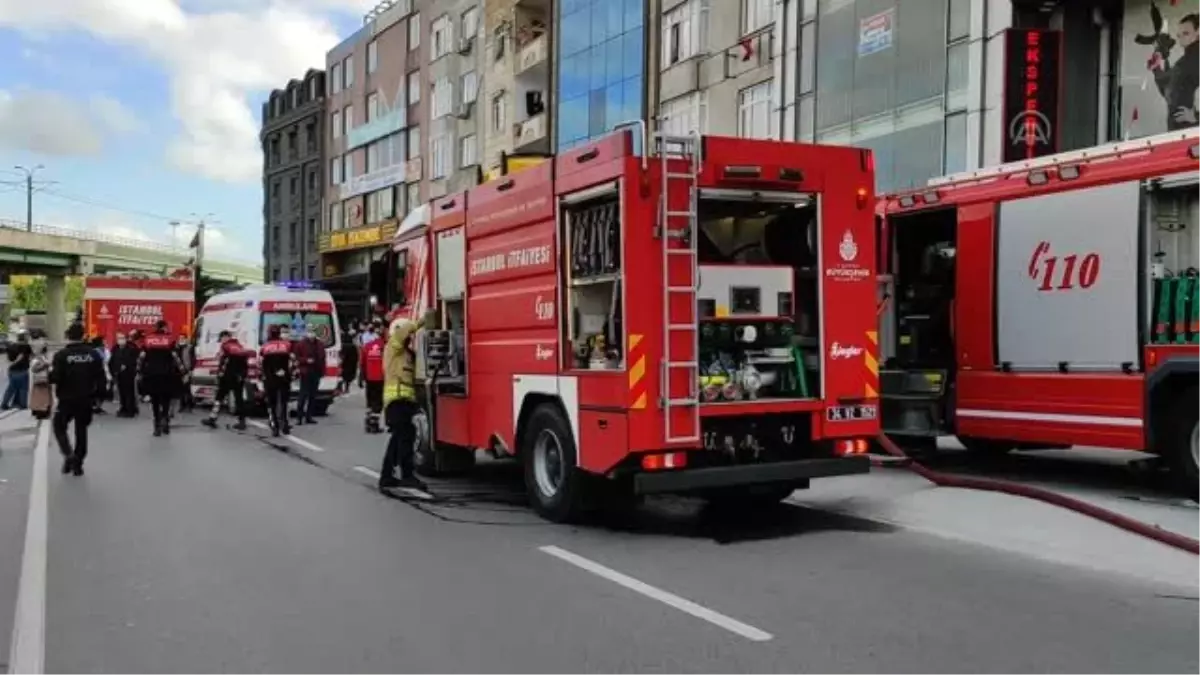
517	91
455	54
292	136
374	109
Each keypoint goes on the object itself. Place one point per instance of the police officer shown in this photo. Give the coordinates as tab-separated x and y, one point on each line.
76	372
159	371
278	369
400	406
232	367
125	360
372	375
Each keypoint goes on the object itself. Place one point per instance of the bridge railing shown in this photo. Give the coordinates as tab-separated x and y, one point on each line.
72	233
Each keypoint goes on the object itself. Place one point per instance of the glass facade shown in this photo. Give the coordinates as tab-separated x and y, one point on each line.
892	77
600	64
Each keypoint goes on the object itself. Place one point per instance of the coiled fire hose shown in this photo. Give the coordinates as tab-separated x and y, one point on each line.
1113	518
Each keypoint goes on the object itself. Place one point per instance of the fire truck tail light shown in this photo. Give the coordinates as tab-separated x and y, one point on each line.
860	197
743	172
666	460
848	447
1069	172
1037	178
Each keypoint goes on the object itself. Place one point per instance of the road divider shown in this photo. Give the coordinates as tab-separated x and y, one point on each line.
670	599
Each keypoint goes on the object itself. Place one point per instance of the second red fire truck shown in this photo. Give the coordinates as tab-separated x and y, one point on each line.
696	319
1049	303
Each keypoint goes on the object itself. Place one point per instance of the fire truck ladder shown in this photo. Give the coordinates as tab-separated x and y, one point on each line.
678	232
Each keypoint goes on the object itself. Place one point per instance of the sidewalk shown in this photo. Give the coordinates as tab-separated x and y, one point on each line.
1019	525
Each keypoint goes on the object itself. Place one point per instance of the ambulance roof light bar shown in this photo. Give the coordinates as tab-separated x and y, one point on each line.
1072	157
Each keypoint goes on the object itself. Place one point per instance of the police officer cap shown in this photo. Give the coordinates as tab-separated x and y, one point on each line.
75	332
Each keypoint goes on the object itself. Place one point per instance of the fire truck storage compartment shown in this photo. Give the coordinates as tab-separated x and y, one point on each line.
451	288
1173	206
758	296
595	317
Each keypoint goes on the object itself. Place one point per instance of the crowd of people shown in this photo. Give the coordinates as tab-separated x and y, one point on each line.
155	367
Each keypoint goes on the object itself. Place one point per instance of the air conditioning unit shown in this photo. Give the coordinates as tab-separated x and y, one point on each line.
465	44
464	109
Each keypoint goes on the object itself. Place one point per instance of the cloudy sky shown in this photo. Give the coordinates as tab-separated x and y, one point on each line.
144	111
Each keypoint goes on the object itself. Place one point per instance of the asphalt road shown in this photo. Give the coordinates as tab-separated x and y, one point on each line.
215	551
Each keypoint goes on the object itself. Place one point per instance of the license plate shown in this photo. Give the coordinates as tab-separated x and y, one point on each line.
848	413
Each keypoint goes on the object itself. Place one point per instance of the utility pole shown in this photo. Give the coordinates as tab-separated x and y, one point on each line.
29	193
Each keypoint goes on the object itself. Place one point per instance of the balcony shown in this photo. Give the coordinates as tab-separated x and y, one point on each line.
533	57
529	132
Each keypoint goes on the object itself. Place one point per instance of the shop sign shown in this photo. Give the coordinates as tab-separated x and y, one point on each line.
375	180
875	32
1031	81
359	237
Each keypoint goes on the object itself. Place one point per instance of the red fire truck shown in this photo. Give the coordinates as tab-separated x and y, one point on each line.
699	319
125	302
1048	303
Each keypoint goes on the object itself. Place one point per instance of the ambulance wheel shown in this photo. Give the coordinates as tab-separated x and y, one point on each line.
552	475
1184	441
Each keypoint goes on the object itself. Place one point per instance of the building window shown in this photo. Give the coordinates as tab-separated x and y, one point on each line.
498	40
498	113
439	156
312	272
470	23
275	235
387	151
414	31
312	231
275	274
754	111
294	187
372	56
414	142
335	78
757	14
348	168
348	68
443	98
372	106
412	196
381	205
683	32
293	236
335	216
347	119
470	86
312	182
685	114
414	87
468	151
335	121
335	171
442	32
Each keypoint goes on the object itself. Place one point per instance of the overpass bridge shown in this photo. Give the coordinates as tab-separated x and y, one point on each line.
60	252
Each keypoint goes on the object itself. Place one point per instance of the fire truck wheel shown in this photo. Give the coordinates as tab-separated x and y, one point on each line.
986	446
552	478
1184	441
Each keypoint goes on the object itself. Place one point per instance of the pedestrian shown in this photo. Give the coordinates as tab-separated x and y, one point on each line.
126	358
76	372
349	359
187	356
232	367
20	353
310	354
372	375
159	372
400	407
278	369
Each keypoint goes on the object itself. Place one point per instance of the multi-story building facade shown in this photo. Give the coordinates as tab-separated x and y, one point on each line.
292	136
454	51
517	91
375	102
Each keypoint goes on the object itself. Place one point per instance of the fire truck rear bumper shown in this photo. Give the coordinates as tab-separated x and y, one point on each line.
775	473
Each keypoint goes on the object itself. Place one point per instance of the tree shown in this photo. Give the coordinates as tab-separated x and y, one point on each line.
29	293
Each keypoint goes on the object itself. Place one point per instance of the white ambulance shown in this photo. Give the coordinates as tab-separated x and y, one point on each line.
247	313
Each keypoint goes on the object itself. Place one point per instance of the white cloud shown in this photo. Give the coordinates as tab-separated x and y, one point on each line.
114	115
52	123
218	54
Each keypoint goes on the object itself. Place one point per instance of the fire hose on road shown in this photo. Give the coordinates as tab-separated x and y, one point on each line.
1113	518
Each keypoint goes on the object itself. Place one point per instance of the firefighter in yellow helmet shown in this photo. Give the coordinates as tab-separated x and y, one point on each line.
400	405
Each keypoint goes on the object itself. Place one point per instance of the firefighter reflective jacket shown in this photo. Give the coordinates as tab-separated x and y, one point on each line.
398	366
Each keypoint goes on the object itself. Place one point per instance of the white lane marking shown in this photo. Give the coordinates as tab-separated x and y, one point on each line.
687	606
367	472
1049	417
27	651
295	439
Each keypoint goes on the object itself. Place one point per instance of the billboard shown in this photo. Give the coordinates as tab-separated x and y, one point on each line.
1031	87
1067	279
1160	67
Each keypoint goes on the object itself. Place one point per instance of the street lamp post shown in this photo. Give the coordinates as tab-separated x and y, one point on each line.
29	193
